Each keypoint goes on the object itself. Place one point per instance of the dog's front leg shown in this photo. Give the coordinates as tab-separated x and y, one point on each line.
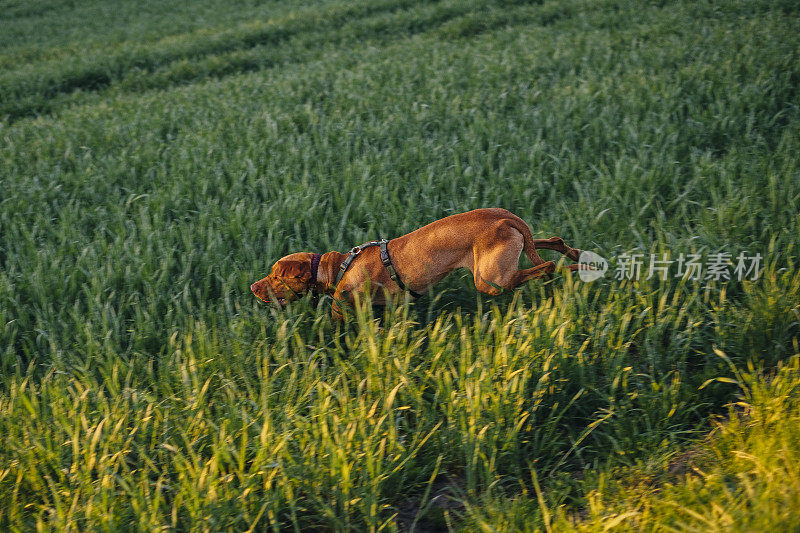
339	301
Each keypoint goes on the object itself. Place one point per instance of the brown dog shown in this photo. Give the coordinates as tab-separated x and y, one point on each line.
486	241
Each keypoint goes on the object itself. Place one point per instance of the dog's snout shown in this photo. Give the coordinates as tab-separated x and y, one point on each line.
259	288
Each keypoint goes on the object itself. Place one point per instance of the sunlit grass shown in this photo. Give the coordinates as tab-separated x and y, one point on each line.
742	477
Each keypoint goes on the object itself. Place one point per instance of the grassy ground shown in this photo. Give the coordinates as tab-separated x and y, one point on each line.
155	161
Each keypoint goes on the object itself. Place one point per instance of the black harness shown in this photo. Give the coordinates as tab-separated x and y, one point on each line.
385	259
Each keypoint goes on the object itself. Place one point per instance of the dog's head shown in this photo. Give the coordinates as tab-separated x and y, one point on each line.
290	278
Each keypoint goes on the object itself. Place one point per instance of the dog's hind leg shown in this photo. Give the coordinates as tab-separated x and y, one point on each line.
557	244
494	284
496	261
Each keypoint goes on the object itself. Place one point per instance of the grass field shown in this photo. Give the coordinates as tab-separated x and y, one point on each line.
156	159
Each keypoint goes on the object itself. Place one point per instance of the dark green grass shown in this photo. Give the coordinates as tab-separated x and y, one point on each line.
149	172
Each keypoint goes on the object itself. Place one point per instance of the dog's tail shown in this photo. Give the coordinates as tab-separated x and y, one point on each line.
530	245
527	239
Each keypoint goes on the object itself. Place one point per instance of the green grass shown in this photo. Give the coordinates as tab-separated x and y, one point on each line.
155	161
742	477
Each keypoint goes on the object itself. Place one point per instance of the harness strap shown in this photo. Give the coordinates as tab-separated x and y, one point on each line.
351	255
385	259
387	262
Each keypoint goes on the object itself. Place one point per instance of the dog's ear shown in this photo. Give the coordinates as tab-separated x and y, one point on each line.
296	269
